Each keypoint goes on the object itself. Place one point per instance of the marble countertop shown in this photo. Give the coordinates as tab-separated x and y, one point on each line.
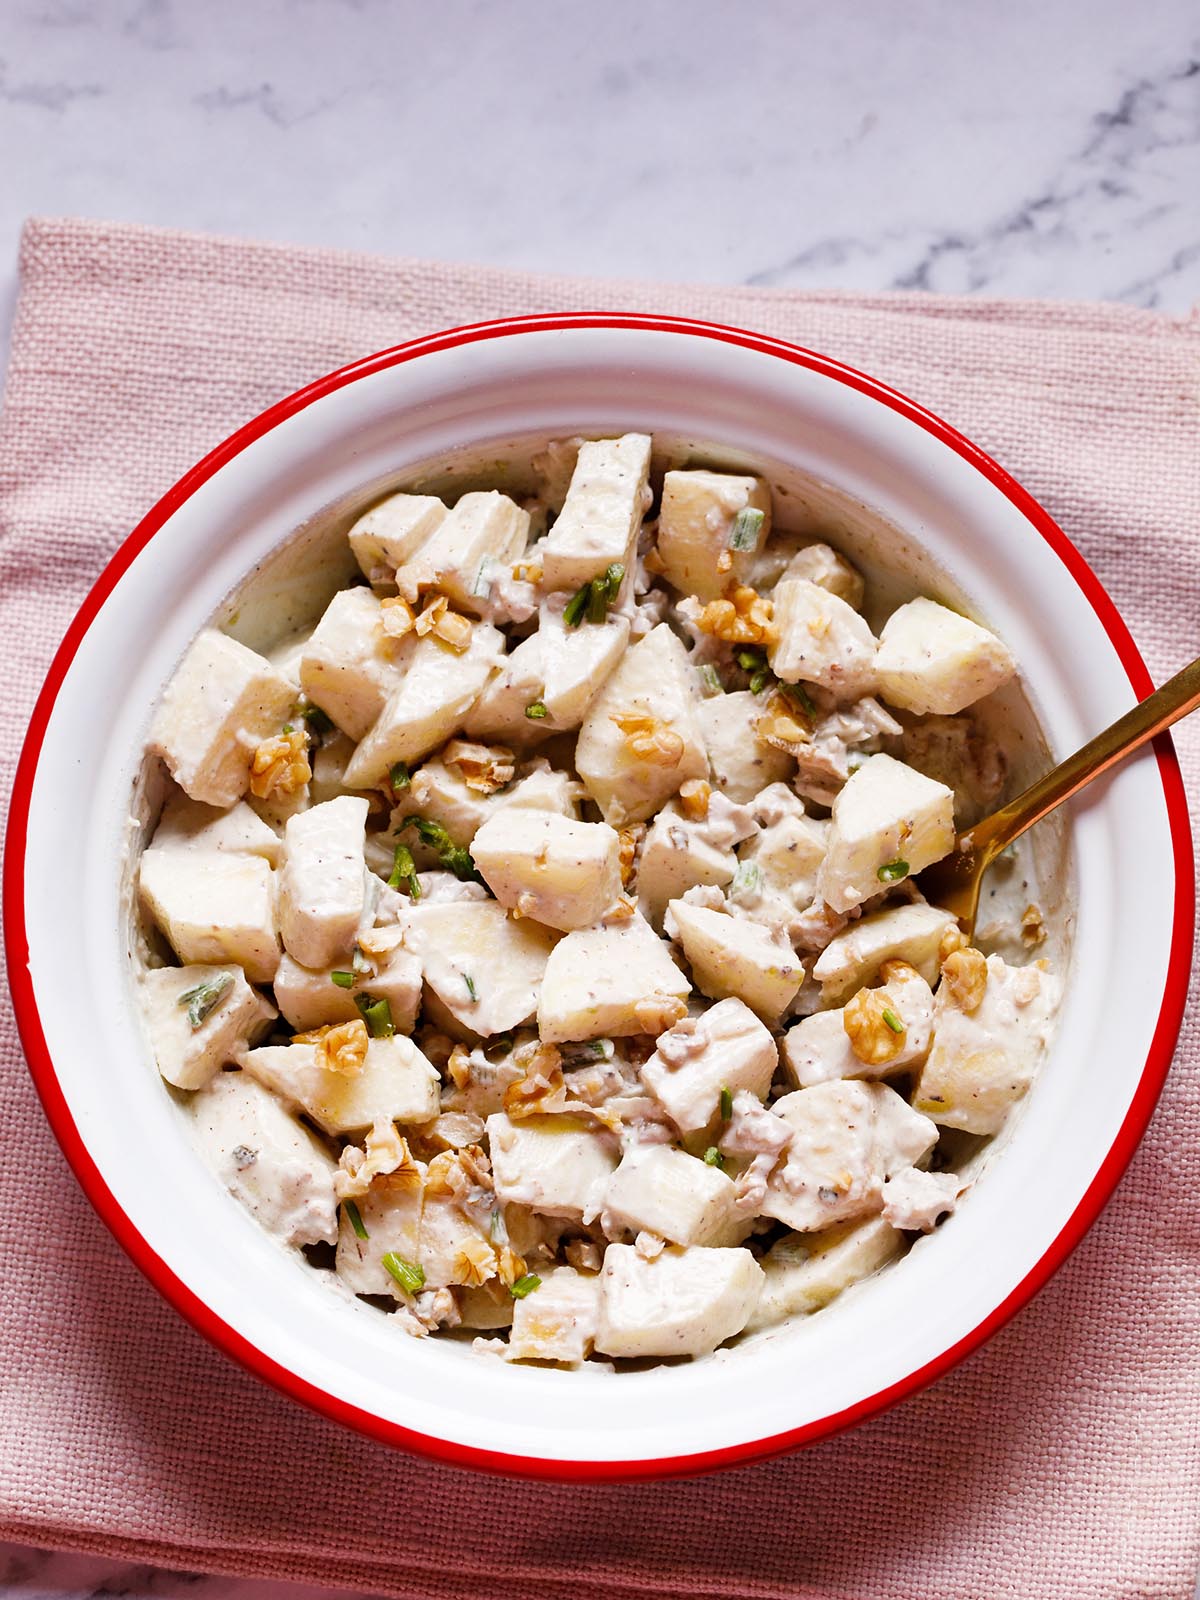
1037	148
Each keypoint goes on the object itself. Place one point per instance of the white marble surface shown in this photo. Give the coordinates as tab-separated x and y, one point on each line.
1039	147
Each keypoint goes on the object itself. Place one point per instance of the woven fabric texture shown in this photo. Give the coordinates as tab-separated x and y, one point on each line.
1062	1462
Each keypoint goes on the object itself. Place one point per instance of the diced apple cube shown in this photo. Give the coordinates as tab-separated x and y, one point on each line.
395	1084
323	881
821	640
499	712
598	524
672	1194
557	871
393	532
438	689
848	1138
610	982
213	907
889	822
726	1047
983	1061
390	1213
188	825
486	967
818	1048
557	1322
350	666
853	957
788	855
559	668
695	524
266	1159
309	999
655	686
559	1166
684	1302
932	659
822	565
223	701
802	1276
674	857
440	793
229	1016
741	765
448	1239
543	788
483	526
731	956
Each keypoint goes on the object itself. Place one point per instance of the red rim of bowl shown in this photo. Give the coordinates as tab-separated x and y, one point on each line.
232	1343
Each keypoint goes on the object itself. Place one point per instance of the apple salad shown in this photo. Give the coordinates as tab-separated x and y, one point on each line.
536	941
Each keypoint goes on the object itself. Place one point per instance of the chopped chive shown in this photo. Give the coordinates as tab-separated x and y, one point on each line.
760	680
404	871
892	1020
713	1157
318	721
743	535
536	710
750	660
204	999
482	585
746	880
399	777
344	980
893	871
356	1221
287	727
377	1014
497	1232
501	1046
454	857
408	1274
525	1285
711	679
359	960
726	1104
614	576
576	606
800	695
471	989
597	607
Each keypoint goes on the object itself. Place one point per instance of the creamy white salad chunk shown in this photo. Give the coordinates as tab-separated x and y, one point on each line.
536	941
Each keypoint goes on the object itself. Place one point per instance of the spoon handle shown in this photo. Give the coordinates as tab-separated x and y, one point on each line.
1158	711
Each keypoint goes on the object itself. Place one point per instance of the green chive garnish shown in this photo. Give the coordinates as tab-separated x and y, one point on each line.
800	695
750	660
344	980
408	1274
359	961
711	679
399	777
356	1221
576	606
743	535
713	1157
892	1020
287	728
471	990
204	999
319	722
536	710
760	680
726	1104
377	1014
454	857
525	1285
404	871
893	871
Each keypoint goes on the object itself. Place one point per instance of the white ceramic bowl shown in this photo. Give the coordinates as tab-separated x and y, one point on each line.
125	1136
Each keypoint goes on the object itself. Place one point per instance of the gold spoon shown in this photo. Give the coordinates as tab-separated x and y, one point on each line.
954	881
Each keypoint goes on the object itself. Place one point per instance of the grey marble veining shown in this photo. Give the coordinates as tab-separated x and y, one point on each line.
1039	147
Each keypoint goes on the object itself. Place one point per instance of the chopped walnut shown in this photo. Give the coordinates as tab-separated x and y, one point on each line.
386	1156
694	796
509	1266
454	1130
649	1245
458	1172
777	725
630	841
658	1012
725	561
895	970
397	617
1027	984
482	767
584	1255
745	618
432	612
528	572
454	630
1033	929
623	909
341	1047
873	1038
280	765
951	941
964	972
650	739
474	1263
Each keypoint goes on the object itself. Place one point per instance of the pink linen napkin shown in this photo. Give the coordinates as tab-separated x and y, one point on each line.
1062	1462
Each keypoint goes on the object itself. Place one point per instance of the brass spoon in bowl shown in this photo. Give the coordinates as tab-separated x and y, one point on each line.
954	881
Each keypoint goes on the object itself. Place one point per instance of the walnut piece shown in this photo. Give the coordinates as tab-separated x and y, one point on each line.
952	939
474	1262
694	796
482	767
777	725
630	839
658	1012
397	617
341	1047
745	618
1033	928
280	764
870	1022
964	972
386	1156
650	739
